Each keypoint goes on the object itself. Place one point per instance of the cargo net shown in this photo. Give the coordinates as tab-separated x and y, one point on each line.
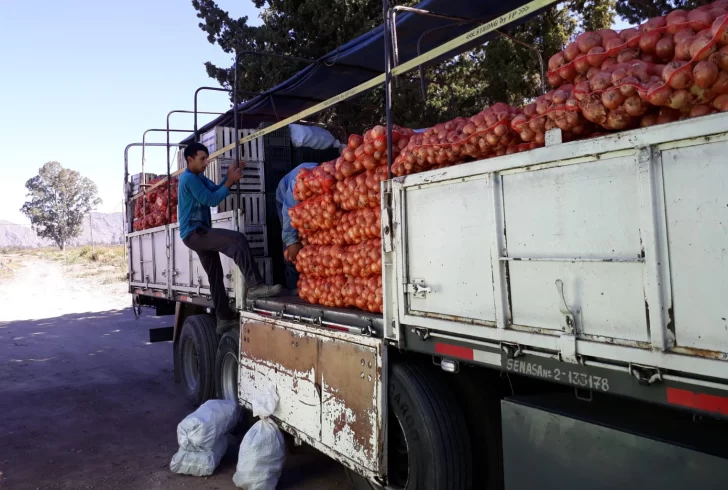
151	209
669	68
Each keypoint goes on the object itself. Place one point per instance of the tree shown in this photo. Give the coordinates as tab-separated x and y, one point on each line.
502	70
58	201
636	11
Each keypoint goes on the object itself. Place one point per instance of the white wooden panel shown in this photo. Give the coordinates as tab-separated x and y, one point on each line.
587	211
696	193
449	231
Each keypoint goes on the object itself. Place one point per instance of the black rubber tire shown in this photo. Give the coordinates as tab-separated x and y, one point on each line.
229	345
438	446
198	338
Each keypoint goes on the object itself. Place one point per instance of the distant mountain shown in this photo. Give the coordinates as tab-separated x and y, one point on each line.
107	229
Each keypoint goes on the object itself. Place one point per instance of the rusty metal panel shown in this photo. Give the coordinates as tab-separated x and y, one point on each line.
288	360
350	382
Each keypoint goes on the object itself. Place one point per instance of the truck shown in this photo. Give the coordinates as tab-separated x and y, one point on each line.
551	317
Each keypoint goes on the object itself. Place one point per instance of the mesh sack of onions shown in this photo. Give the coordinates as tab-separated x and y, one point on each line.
361	190
317	213
342	291
370	151
314	181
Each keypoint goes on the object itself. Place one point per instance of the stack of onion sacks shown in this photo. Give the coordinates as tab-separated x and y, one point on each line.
342	291
486	134
315	181
361	190
317	213
362	260
555	109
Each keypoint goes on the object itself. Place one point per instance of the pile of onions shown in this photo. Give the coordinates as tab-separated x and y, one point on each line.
360	191
353	227
314	182
362	260
370	151
151	210
318	213
342	291
555	109
486	134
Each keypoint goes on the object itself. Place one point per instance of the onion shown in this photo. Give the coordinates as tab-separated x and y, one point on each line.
594	111
680	100
653	24
682	47
720	58
582	65
378	131
355	141
634	106
627	55
601	81
720	86
607	34
613	43
648	41
719	30
699	19
648	120
608	63
571	51
660	96
721	103
702	47
588	40
612	99
618	120
630	37
676	20
683	34
700	110
665	48
554	79
678	75
705	73
556	61
596	56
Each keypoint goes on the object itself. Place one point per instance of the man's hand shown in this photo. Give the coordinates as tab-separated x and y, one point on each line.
291	252
234	173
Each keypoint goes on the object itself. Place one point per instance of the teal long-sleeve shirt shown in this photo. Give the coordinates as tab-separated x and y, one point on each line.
195	196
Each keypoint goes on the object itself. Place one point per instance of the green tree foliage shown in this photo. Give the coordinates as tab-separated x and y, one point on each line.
506	69
636	11
58	201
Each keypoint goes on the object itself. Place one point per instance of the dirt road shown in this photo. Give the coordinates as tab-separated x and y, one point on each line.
87	403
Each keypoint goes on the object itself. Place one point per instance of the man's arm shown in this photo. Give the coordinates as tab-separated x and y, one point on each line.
211	185
203	195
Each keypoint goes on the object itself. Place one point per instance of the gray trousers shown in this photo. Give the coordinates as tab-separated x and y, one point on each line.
209	243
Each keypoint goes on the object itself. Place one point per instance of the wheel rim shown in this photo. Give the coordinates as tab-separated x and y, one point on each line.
190	366
229	381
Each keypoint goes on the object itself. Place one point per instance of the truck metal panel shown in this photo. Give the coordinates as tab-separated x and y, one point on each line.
331	387
585	249
545	441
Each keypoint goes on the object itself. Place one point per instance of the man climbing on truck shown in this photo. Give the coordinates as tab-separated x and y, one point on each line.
197	194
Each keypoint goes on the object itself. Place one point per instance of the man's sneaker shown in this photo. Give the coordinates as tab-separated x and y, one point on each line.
264	291
225	325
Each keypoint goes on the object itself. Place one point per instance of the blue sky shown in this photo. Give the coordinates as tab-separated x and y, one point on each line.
82	79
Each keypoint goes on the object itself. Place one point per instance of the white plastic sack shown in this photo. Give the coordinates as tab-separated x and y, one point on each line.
201	430
263	450
311	137
199	463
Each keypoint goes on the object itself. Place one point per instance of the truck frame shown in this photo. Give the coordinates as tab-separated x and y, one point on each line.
536	306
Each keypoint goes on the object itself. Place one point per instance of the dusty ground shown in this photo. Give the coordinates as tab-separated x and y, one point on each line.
86	402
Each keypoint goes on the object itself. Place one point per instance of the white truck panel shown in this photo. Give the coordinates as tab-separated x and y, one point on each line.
696	186
633	226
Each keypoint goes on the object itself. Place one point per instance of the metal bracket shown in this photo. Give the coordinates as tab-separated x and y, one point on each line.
368	330
567	341
646	375
511	350
418	289
422	333
387	230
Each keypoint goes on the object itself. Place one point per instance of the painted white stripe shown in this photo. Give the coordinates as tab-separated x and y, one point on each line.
487	357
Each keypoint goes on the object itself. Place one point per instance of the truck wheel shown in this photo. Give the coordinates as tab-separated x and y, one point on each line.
196	351
428	441
226	366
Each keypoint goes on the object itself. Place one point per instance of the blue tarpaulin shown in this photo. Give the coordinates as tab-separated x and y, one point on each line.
363	58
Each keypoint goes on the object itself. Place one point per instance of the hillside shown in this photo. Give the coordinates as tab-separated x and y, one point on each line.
106	230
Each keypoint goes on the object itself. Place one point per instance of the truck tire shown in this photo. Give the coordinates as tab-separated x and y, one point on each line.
429	446
196	358
226	366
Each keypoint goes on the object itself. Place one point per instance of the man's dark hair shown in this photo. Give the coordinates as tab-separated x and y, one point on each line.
192	149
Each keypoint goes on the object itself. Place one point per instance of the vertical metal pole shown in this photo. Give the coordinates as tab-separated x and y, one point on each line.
388	82
169	176
236	207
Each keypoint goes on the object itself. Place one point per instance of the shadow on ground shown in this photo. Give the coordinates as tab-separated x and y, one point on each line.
88	403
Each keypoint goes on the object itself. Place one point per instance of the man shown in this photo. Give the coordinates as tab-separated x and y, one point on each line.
196	195
284	202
